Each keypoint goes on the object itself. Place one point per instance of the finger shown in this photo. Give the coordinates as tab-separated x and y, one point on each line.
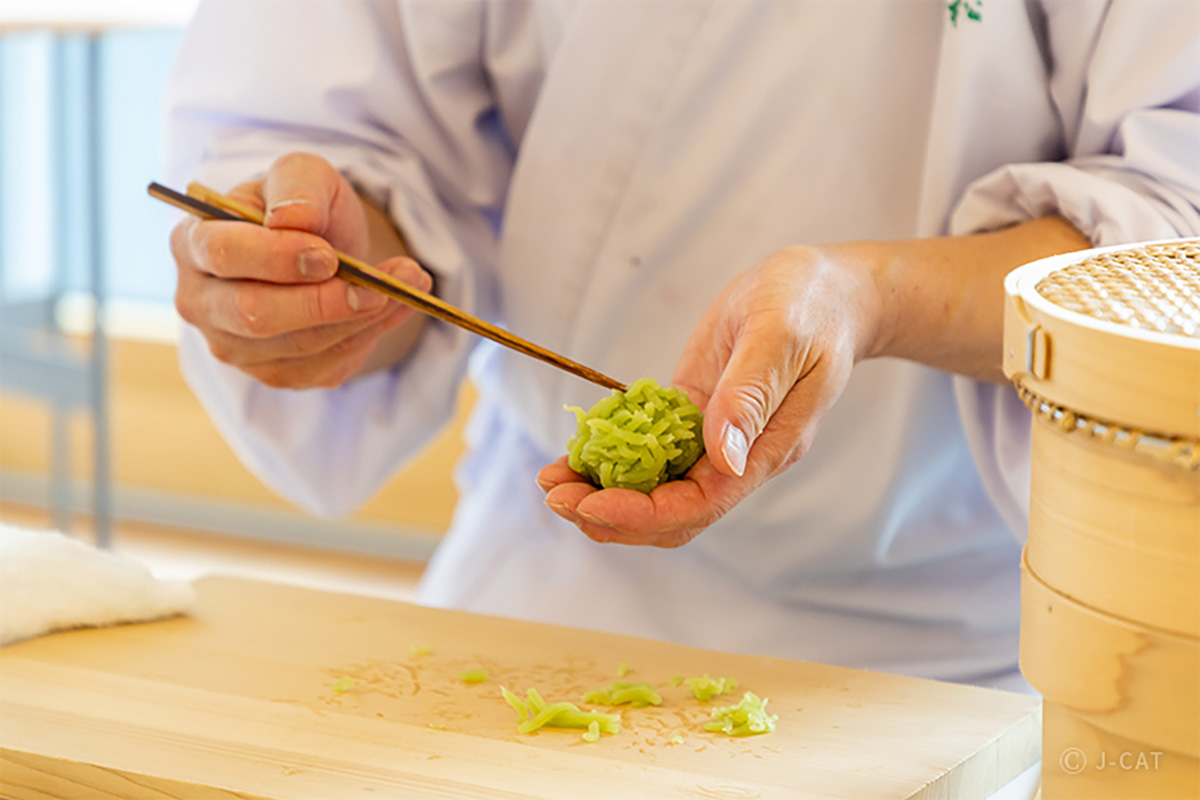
326	370
407	271
763	367
249	193
558	473
700	498
565	499
238	250
260	310
601	532
244	353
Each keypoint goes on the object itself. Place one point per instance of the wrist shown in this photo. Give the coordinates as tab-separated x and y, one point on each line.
883	282
942	298
867	271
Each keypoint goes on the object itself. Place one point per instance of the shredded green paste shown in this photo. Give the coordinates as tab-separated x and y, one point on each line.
473	676
706	688
747	718
420	650
343	685
536	713
623	669
637	439
619	693
593	732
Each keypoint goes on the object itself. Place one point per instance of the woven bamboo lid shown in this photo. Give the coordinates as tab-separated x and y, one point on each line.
1108	340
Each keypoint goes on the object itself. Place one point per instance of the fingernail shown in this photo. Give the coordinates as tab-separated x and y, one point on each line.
316	263
735	448
360	299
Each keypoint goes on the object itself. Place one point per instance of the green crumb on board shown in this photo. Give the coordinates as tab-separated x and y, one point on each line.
637	439
676	740
343	685
706	688
593	732
620	693
675	680
747	718
473	676
623	669
437	726
517	703
420	649
535	713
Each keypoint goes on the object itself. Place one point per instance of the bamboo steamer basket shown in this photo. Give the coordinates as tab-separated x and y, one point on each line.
1104	347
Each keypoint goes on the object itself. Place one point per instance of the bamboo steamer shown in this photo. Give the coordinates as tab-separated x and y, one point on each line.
1104	347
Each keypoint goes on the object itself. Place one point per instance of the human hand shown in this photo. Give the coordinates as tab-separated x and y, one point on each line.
768	359
265	298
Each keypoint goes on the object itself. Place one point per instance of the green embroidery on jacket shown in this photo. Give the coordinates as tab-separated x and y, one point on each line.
972	8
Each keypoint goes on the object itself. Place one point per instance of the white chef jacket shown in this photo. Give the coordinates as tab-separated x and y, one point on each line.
592	174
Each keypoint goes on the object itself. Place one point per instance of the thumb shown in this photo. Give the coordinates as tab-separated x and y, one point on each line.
755	381
298	192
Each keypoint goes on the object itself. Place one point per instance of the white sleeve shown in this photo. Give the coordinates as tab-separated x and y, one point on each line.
398	96
1125	80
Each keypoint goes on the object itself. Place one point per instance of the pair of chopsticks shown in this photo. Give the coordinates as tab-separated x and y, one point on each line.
208	204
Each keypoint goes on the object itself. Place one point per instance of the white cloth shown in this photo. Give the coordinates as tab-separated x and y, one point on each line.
51	582
591	174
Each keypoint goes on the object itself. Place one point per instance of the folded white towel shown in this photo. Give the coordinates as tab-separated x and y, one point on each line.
50	582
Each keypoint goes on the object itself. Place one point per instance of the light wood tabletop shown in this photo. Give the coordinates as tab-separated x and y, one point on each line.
239	700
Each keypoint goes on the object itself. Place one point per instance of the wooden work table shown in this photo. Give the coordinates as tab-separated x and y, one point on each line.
239	701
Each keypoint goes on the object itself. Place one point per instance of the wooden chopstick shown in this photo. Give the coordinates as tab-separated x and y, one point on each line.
204	202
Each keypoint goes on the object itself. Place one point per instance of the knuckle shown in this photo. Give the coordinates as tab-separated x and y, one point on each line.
180	239
317	306
213	249
753	404
185	306
302	162
249	313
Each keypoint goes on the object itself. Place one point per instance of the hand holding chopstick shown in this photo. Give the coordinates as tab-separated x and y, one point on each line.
206	203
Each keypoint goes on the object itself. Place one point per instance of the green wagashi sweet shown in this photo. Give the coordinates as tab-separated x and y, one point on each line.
638	438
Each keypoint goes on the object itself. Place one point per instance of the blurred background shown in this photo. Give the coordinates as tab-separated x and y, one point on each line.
99	436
